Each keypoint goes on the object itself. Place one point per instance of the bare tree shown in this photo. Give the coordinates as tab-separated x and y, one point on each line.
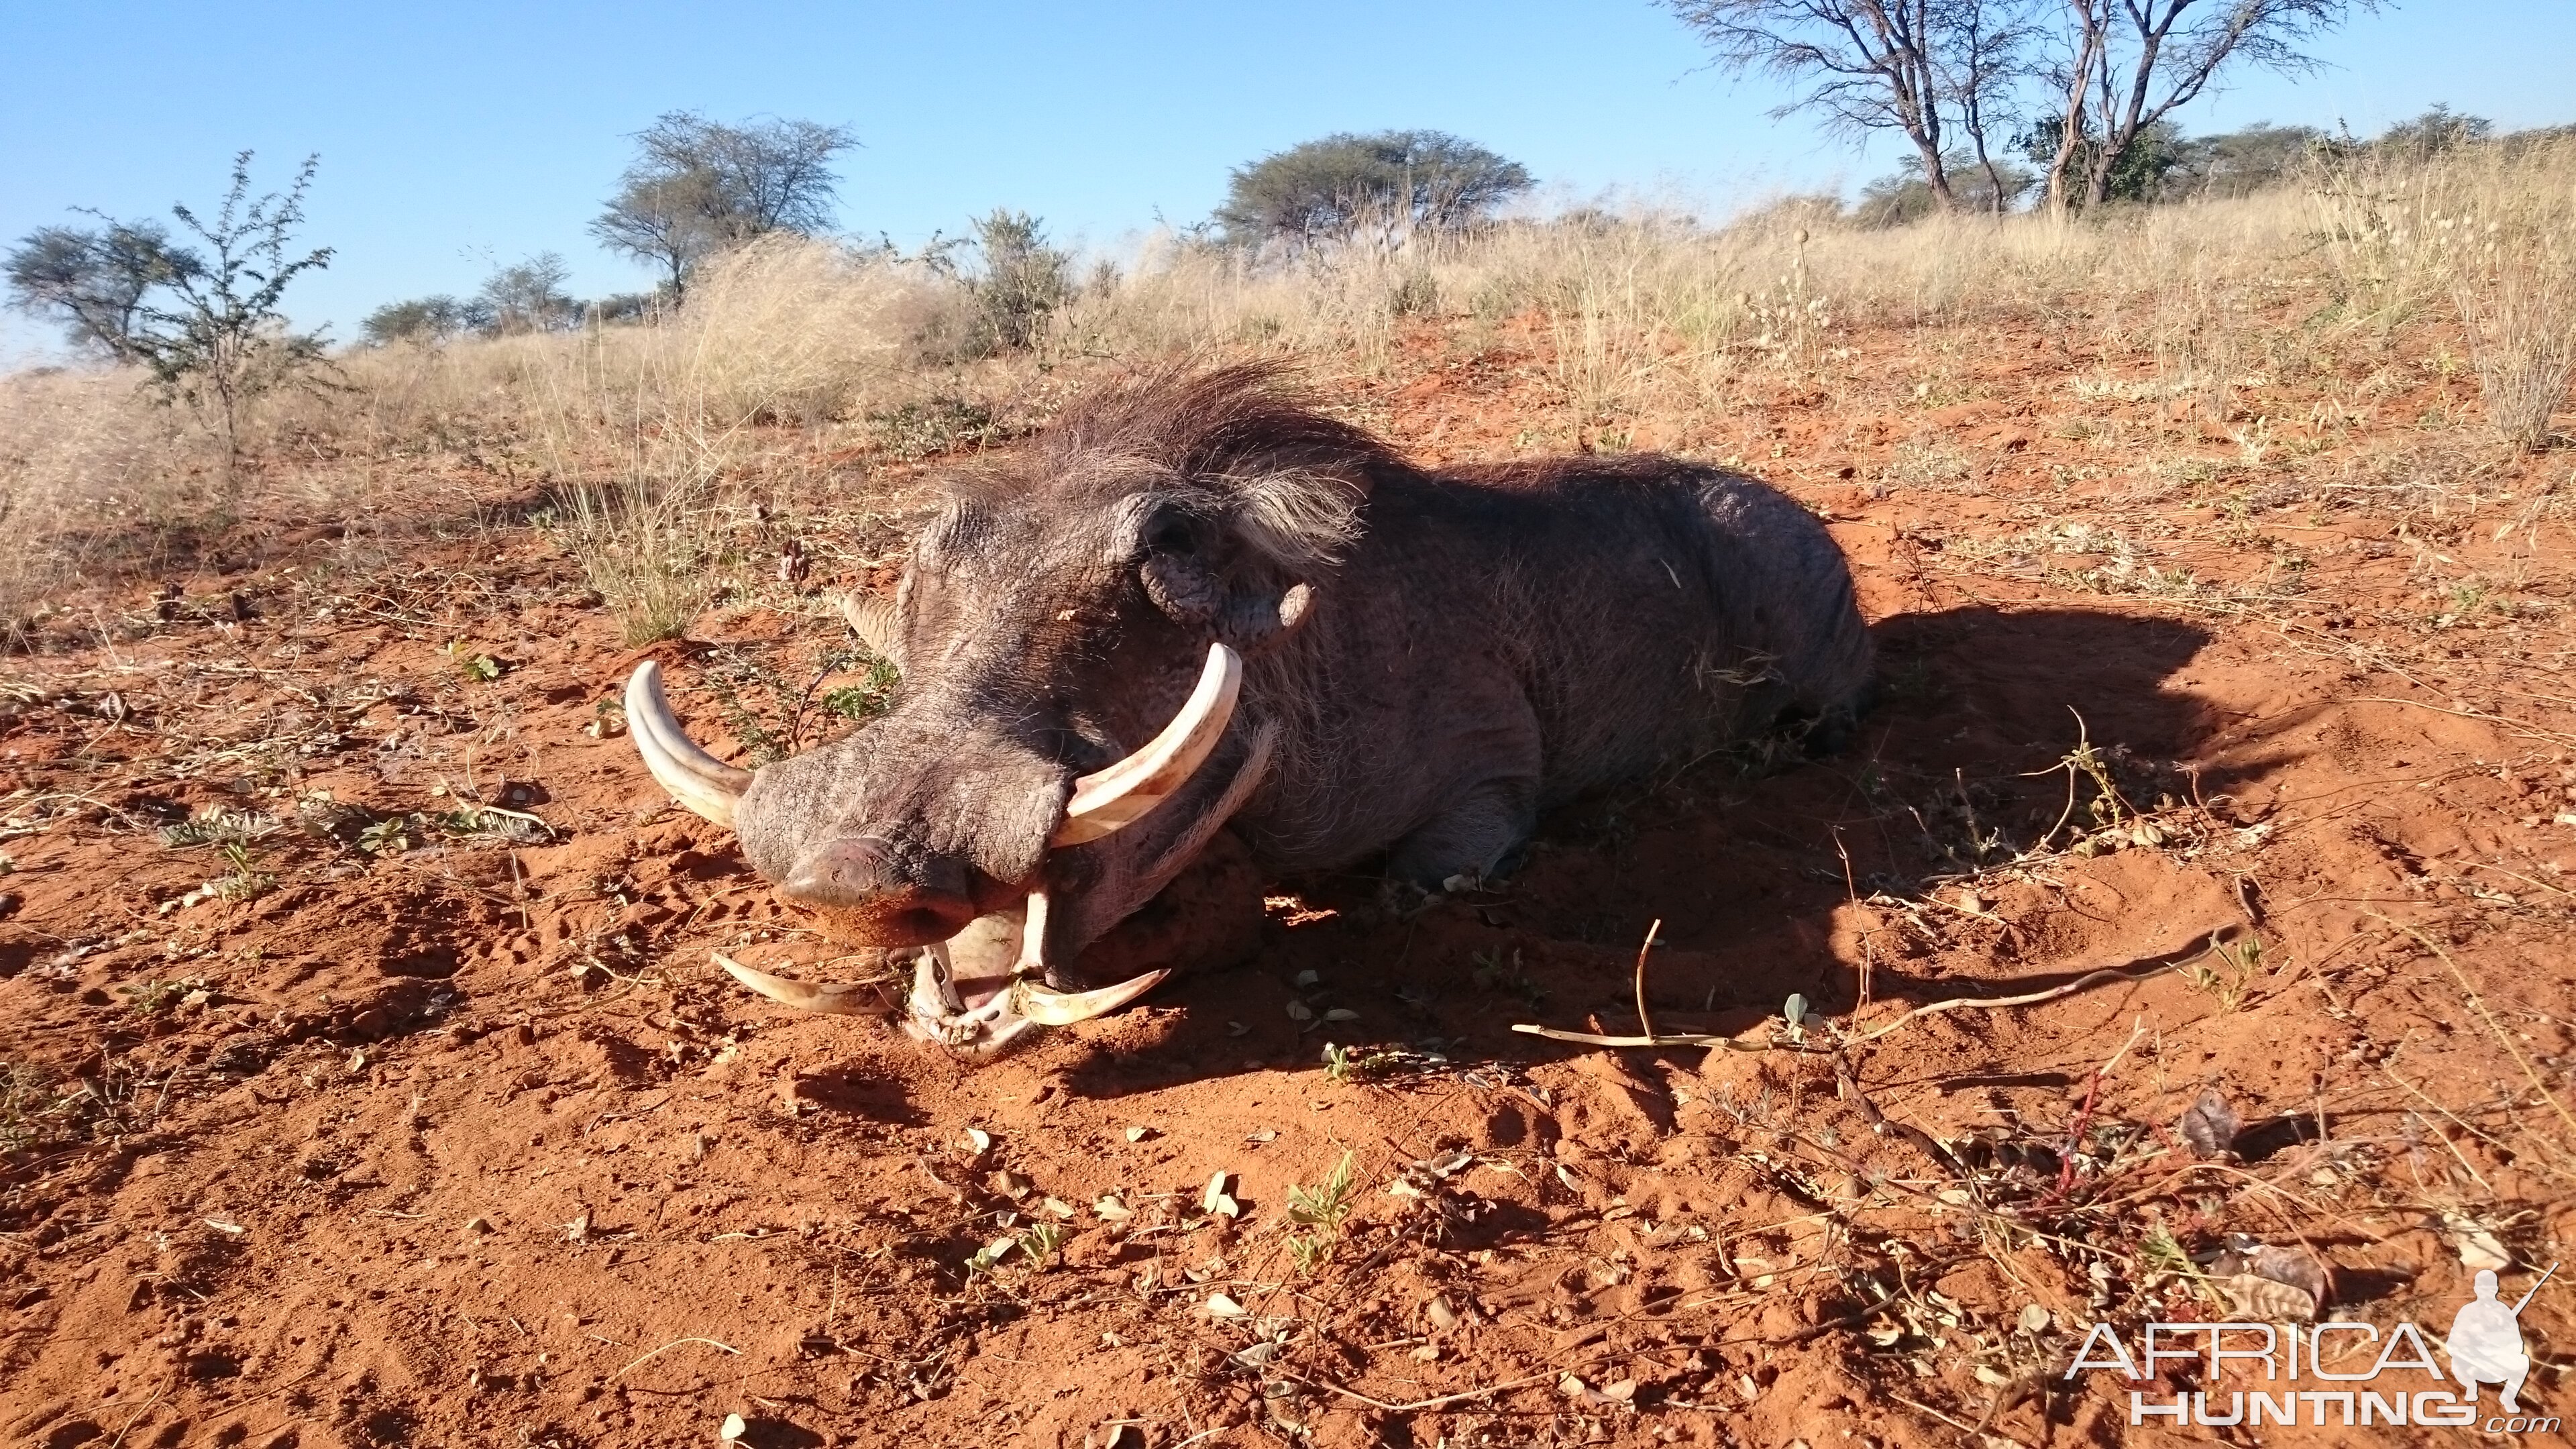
700	186
2126	64
1868	65
1981	54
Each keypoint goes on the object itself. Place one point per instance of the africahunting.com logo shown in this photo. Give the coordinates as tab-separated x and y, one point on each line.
2484	1347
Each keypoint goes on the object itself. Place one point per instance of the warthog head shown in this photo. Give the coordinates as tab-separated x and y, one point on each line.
1072	727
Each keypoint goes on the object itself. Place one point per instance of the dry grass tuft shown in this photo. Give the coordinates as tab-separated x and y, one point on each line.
2522	335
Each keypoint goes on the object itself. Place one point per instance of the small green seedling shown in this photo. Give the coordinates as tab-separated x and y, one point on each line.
1322	1208
1038	1244
2228	982
1354	1065
390	836
155	997
244	883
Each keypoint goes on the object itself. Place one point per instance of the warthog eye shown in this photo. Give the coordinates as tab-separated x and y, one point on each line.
1175	536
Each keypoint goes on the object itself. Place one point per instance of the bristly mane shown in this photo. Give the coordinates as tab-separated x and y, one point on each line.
1243	439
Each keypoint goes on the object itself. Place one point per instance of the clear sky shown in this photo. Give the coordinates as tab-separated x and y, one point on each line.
463	133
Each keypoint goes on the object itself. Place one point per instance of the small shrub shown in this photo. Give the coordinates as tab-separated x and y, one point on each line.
926	429
221	342
33	1108
1023	282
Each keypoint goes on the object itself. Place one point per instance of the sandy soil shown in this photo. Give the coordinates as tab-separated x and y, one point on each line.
463	1139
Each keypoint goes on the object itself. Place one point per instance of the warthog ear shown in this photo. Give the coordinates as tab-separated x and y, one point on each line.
1201	572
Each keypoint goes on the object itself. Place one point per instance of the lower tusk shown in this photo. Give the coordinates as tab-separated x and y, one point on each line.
1033	928
705	784
1059	1008
934	983
1111	799
837	999
872	618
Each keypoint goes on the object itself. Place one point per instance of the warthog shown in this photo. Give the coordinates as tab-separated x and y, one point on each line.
1200	632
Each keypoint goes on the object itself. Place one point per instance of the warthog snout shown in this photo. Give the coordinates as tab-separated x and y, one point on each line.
859	881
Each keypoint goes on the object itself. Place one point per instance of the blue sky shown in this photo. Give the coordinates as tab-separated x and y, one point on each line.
465	133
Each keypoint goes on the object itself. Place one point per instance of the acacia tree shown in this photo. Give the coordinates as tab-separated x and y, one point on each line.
424	319
93	280
2125	65
1330	188
1940	71
699	186
527	296
1865	65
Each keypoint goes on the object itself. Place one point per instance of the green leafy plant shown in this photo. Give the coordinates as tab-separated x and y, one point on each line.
2160	1253
1042	1242
390	836
155	997
1495	969
2237	966
1352	1064
482	822
219	827
1039	1243
1322	1209
34	1107
244	882
873	695
990	1256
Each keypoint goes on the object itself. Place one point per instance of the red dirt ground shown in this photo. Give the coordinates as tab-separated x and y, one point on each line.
471	1143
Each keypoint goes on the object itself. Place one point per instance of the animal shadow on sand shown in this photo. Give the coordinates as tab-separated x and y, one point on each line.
1744	860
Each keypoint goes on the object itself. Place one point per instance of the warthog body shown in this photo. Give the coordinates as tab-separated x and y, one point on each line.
1429	659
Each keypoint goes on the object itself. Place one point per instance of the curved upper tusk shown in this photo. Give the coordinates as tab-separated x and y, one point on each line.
836	999
1120	795
695	778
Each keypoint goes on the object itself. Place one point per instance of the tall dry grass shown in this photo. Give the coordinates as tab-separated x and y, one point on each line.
663	443
94	479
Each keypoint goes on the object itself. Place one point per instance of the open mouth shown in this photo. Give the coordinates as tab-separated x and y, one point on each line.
958	1000
982	988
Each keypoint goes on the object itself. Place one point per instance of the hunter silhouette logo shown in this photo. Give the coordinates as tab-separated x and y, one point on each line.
2327	1373
2486	1341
